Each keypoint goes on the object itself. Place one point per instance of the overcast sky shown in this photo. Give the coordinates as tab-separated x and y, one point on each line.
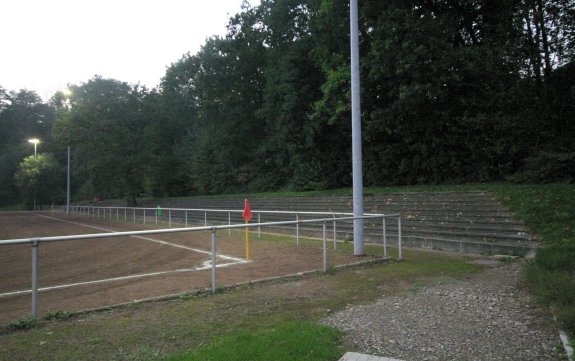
46	44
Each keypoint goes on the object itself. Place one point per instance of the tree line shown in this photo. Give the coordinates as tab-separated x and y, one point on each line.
452	91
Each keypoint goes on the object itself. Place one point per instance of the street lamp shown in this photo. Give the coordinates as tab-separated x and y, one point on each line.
68	186
34	141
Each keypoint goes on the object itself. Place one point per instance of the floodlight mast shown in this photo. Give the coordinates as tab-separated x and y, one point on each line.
358	233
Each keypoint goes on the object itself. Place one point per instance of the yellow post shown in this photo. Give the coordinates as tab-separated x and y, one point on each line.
247	243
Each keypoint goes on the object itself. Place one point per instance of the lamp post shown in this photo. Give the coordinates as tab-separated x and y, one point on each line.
34	141
68	186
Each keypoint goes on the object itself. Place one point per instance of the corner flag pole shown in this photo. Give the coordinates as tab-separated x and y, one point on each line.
247	215
247	243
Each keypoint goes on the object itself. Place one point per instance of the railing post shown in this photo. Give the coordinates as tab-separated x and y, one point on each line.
35	244
156	215
324	247
334	232
229	223
297	228
399	235
213	260
259	227
205	218
134	212
169	218
384	231
117	214
186	218
125	214
144	215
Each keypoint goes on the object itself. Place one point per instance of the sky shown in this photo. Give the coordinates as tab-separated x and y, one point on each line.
47	44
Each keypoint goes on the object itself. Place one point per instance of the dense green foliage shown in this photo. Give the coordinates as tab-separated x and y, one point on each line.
452	91
23	116
37	179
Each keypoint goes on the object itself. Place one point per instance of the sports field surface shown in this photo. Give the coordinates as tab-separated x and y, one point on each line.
85	274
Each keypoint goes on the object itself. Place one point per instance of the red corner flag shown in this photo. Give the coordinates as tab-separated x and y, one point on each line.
247	215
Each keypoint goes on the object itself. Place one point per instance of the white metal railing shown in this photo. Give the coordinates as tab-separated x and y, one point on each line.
183	216
35	242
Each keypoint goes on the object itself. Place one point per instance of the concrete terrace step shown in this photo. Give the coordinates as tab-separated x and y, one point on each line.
439	220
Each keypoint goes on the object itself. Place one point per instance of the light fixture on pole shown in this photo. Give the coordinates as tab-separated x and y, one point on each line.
34	141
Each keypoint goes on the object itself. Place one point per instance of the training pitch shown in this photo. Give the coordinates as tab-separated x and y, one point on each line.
86	274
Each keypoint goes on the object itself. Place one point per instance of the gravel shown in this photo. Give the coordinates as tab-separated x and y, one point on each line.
483	317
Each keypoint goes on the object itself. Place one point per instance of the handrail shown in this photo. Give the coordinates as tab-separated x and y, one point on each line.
215	210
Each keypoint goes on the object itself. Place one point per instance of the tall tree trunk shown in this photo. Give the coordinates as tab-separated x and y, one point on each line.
532	46
540	19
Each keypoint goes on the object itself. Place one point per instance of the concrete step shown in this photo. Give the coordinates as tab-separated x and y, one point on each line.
434	220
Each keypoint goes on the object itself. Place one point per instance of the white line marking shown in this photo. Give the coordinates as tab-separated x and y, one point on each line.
226	257
206	265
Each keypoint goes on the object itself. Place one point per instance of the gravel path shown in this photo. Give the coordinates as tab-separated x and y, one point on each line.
484	317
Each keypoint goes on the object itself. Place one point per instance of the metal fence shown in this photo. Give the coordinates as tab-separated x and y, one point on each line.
111	212
341	228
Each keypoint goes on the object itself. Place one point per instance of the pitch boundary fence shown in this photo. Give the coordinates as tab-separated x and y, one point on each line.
36	241
206	216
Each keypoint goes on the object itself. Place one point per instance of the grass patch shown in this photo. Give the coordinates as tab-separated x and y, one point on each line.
548	210
289	341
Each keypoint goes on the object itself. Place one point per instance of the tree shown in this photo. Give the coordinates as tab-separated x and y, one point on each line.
292	82
23	115
105	126
40	180
224	85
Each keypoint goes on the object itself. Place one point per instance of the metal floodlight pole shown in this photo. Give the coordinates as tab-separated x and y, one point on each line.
356	132
68	186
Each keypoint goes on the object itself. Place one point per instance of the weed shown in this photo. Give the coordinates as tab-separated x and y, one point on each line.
185	296
506	259
24	324
58	315
331	269
220	289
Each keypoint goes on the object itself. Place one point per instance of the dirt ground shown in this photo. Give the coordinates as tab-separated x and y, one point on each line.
86	274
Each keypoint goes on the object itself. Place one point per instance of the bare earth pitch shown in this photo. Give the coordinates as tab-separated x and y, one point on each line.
84	274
